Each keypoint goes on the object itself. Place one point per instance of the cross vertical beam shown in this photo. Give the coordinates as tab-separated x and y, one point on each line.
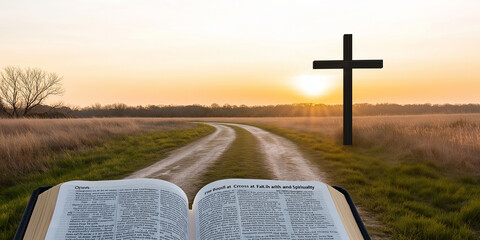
347	91
347	64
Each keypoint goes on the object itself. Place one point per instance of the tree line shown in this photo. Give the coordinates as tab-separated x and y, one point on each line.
215	110
281	110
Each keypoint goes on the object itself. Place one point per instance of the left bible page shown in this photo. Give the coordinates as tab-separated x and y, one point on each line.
120	209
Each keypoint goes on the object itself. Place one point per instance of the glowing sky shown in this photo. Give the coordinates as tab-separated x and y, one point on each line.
245	52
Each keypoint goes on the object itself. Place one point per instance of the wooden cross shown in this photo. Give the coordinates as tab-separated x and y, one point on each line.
347	64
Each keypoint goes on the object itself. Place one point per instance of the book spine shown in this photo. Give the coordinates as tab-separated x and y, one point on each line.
359	221
22	227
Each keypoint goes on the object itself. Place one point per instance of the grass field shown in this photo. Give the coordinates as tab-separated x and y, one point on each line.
447	140
26	145
112	158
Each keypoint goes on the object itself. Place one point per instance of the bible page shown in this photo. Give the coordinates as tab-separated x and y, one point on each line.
266	209
120	209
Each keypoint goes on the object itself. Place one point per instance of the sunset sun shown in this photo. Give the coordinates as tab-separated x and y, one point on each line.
312	85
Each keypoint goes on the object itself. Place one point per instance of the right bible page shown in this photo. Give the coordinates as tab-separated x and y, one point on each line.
266	209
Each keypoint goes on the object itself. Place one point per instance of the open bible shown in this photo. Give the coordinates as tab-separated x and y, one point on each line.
157	209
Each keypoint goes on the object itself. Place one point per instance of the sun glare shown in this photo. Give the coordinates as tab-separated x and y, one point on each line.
312	85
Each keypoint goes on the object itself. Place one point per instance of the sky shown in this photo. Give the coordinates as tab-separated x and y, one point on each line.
245	52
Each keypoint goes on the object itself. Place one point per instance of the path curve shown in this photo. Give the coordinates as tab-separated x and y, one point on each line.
184	165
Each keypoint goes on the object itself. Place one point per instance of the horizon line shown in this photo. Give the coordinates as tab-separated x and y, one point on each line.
265	105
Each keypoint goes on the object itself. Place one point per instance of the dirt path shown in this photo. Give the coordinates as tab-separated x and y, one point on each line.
283	157
184	165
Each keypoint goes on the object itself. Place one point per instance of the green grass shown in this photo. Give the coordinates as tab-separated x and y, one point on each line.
242	160
114	159
414	198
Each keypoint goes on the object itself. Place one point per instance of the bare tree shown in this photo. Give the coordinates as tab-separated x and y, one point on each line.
10	90
25	89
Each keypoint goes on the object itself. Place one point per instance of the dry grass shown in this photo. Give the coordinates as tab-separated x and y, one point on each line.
26	143
447	140
451	140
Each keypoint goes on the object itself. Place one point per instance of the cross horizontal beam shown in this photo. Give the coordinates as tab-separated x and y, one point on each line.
338	64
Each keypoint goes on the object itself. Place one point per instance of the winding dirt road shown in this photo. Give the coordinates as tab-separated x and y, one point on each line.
184	165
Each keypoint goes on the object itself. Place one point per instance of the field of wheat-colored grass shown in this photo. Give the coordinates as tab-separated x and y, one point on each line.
25	143
445	139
